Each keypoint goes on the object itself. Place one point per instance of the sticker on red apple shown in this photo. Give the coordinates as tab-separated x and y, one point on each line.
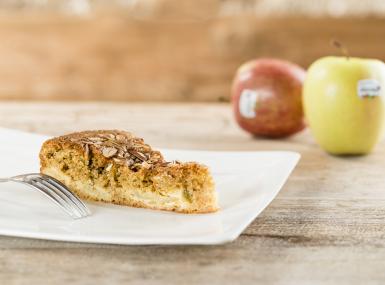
368	88
247	103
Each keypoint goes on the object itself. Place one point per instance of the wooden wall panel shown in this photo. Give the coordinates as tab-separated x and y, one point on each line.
114	57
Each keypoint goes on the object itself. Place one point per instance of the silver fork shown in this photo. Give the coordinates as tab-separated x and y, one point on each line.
55	190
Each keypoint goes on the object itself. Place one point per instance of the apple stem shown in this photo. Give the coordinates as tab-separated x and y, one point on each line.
341	47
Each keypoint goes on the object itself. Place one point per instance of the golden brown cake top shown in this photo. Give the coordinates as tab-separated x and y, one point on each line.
123	147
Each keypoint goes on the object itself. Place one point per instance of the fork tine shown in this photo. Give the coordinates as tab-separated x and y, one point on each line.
70	204
55	198
79	203
56	191
73	199
61	189
62	195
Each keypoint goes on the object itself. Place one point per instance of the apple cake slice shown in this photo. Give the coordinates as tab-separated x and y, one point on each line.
116	167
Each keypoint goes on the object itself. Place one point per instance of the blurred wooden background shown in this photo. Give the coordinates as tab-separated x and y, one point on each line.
168	50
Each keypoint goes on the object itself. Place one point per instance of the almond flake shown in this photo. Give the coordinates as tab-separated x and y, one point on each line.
119	160
86	150
138	155
108	168
130	162
109	151
95	139
120	138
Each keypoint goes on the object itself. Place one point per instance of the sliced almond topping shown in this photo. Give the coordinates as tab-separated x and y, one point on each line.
120	138
109	166
138	155
109	151
123	148
119	160
146	165
130	162
96	139
86	151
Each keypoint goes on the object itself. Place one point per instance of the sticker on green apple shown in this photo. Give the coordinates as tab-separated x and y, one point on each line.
247	103
368	88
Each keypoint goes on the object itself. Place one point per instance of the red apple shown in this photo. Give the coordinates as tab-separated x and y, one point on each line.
267	97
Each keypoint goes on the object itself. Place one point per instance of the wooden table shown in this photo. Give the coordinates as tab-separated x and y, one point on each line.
327	225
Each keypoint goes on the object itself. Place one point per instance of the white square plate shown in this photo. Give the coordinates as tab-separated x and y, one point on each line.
246	183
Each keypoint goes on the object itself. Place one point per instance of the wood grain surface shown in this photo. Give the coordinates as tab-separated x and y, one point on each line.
327	225
115	56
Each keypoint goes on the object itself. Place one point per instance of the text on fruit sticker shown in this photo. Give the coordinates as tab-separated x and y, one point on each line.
247	103
368	88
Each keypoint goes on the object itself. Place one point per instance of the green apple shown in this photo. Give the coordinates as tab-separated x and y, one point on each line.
344	103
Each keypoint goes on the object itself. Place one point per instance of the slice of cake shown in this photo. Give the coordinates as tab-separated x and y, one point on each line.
117	167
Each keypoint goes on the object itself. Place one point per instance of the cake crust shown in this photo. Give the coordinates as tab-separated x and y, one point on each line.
117	167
